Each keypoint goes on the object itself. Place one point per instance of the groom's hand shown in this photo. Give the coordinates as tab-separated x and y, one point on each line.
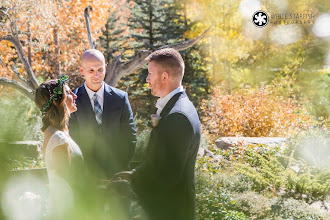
120	188
124	175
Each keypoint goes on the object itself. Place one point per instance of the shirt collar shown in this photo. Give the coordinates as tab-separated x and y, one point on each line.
161	102
100	92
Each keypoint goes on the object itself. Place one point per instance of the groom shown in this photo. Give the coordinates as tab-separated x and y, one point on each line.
164	184
103	126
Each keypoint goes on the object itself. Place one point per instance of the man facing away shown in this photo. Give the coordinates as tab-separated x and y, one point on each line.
164	183
103	126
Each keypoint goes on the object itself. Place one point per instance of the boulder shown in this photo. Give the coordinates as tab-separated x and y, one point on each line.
205	152
226	142
322	206
201	152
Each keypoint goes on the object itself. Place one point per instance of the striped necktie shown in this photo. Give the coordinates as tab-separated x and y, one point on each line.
97	110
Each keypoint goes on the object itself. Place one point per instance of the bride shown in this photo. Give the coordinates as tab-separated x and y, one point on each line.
62	155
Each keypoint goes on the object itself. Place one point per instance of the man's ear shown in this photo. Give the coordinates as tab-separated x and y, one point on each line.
165	76
81	70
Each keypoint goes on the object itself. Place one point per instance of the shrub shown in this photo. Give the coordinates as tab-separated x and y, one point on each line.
20	118
255	205
295	209
235	215
312	146
233	182
252	113
141	145
281	191
268	170
213	201
20	121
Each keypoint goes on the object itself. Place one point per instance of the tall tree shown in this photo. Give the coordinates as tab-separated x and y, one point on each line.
145	23
153	23
197	78
11	36
112	41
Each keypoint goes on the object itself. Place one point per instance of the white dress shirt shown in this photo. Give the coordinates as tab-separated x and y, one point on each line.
100	95
161	102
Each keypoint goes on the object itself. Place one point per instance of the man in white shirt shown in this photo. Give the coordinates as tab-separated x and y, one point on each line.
164	182
103	126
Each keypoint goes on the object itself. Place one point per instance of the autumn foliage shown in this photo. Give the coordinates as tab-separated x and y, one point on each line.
58	34
252	113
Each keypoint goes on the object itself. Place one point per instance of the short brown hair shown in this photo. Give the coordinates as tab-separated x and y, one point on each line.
170	60
57	115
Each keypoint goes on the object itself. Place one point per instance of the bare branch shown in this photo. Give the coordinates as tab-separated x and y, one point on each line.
87	19
27	87
22	80
32	79
186	44
16	85
118	69
19	75
13	27
6	13
2	63
24	32
57	52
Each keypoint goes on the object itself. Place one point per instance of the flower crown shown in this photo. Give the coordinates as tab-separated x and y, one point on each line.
54	95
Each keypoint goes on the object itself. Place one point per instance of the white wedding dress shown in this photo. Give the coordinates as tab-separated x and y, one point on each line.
61	193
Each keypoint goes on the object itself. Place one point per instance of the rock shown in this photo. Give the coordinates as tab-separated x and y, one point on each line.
201	152
226	142
322	206
209	153
205	152
217	158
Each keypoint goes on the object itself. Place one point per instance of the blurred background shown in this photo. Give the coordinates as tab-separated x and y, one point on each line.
245	81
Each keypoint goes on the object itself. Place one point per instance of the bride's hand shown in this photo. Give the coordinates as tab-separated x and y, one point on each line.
124	175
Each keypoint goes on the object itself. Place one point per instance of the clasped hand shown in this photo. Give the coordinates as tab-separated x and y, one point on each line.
119	183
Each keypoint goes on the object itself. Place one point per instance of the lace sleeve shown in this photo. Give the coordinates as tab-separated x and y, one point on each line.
57	139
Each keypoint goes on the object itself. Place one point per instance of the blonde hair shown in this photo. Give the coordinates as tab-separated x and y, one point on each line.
169	60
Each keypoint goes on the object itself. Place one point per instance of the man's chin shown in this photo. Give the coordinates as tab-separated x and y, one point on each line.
96	82
73	110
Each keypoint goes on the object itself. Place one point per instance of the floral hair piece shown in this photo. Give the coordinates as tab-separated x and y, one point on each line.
54	95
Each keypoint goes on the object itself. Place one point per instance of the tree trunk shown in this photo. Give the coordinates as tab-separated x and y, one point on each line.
107	46
29	43
151	38
229	81
57	54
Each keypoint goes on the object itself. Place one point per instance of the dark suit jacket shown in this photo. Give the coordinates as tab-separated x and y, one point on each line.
108	148
164	183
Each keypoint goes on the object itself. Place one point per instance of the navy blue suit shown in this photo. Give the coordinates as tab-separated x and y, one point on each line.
164	183
108	148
